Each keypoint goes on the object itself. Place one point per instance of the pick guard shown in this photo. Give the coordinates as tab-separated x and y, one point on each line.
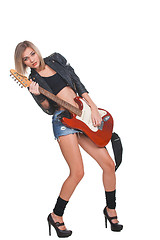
86	116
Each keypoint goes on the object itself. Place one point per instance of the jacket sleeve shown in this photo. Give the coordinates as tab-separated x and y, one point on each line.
78	84
40	98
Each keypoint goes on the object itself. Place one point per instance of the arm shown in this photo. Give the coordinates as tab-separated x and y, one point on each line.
96	118
34	89
45	104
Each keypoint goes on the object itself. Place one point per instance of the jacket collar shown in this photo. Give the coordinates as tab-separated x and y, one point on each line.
55	66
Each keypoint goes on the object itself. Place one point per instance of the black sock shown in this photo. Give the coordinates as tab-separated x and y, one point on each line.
60	206
111	199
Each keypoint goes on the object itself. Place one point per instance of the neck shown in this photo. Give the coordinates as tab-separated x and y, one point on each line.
39	69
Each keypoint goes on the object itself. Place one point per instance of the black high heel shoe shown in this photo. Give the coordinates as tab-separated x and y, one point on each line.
116	227
60	233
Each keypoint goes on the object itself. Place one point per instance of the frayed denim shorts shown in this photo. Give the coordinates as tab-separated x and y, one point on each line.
59	129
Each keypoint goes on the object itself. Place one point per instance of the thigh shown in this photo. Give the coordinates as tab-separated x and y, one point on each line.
101	155
70	149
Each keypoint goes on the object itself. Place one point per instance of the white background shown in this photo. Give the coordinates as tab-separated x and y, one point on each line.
114	47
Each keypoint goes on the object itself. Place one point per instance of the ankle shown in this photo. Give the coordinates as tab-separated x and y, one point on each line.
56	217
110	210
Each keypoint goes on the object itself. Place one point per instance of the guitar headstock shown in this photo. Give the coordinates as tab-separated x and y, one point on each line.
23	80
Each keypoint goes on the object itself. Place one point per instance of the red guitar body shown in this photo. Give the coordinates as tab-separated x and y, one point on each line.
99	135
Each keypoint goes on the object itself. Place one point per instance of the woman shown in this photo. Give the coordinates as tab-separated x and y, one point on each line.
55	75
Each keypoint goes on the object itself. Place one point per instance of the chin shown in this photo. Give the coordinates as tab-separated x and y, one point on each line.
36	67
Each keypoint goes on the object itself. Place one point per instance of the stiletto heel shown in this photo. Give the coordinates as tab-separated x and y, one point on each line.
116	227
105	221
60	233
49	228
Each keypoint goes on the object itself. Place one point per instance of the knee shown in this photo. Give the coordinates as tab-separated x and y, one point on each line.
78	174
109	166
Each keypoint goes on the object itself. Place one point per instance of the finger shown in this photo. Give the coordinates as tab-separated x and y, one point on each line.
94	122
37	88
97	123
32	87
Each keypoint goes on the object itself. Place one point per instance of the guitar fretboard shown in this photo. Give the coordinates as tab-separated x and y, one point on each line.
61	102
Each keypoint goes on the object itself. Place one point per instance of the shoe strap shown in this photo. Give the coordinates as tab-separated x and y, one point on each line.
59	224
112	217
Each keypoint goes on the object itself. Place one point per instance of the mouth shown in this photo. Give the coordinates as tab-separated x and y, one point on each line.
34	64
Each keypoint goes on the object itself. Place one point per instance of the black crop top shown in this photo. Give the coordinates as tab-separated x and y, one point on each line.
56	83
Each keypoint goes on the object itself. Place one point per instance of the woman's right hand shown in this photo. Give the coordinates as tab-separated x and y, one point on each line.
34	88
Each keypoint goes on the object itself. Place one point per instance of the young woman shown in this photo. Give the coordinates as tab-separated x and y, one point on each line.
55	75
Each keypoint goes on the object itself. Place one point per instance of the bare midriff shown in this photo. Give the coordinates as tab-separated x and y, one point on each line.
68	95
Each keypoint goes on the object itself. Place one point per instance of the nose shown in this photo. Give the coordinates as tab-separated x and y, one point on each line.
31	59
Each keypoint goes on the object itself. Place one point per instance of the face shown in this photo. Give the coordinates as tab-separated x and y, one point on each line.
30	58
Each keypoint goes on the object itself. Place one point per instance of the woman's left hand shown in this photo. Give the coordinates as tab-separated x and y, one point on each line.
96	118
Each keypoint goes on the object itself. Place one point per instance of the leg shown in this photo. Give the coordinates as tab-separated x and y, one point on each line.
71	152
103	158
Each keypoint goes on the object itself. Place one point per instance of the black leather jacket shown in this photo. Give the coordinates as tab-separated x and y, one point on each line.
58	63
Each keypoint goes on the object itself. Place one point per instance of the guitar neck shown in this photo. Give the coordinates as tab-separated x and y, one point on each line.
61	102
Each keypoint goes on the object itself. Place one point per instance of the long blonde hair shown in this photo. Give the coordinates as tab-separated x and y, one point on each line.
20	48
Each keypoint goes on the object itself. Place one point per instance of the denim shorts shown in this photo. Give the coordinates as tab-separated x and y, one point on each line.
59	129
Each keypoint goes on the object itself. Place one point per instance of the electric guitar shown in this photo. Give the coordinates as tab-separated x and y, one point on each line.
80	117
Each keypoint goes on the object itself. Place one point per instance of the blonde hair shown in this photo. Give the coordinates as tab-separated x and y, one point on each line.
20	48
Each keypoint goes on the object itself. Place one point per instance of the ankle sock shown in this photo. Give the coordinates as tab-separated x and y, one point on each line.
111	199
60	206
